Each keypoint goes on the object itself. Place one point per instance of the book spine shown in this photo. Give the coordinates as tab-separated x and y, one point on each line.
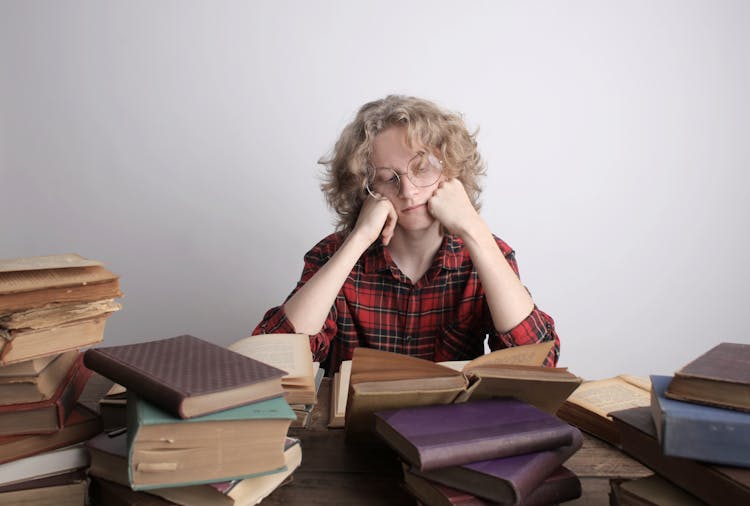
72	392
138	381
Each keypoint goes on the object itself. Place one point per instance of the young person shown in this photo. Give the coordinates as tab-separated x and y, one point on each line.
412	268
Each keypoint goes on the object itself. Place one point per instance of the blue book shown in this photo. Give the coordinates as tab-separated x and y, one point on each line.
167	451
697	431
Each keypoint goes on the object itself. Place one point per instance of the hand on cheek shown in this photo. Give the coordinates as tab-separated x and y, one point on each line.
451	206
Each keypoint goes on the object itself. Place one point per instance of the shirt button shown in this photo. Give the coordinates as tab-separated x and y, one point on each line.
408	338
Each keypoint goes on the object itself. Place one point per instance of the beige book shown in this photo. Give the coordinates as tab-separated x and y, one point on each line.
38	387
29	344
381	380
64	261
53	315
27	367
588	408
289	352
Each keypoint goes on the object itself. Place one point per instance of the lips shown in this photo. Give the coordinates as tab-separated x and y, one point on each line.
412	208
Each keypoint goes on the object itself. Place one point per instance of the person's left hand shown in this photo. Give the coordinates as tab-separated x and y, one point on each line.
451	206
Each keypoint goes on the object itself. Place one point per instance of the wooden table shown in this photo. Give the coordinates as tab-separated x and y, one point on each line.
335	473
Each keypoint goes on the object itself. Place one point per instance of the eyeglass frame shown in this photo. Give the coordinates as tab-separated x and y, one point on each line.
430	157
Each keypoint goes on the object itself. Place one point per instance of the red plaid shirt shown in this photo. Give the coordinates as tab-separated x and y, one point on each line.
443	316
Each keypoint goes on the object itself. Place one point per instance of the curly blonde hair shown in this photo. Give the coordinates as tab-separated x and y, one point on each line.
346	176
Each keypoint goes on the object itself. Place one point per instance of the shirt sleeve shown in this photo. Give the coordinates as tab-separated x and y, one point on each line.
275	320
536	328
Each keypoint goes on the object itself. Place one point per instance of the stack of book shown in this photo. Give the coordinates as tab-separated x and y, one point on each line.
495	451
290	352
695	434
50	307
205	425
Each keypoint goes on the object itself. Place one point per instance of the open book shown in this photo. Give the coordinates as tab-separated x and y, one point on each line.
289	352
588	408
382	380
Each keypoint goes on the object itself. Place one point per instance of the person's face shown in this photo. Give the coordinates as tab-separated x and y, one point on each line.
391	153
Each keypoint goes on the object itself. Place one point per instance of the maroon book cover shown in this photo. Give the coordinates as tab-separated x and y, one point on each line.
507	480
172	373
430	437
62	403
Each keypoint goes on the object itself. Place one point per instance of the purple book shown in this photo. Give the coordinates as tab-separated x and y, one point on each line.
507	480
430	437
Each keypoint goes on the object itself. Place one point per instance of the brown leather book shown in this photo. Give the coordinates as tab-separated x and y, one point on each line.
49	415
187	376
81	425
720	377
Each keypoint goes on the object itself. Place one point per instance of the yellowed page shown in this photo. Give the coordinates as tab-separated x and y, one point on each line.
345	373
530	354
604	396
289	352
639	381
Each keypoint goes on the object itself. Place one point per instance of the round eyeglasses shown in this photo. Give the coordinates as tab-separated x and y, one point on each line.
424	169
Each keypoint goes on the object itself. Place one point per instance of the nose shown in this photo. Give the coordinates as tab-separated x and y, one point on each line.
407	188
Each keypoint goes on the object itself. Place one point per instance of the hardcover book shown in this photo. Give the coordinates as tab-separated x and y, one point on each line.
720	377
382	380
713	484
562	485
164	450
697	431
44	464
36	387
68	489
507	480
650	491
588	407
432	437
37	281
49	415
187	376
289	352
82	424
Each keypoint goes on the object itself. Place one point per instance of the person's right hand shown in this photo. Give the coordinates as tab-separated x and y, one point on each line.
377	217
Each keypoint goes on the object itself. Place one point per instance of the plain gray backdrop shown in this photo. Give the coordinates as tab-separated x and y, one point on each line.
177	142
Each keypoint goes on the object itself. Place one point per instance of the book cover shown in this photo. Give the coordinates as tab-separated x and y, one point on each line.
650	491
720	377
560	486
44	464
164	450
68	489
711	483
507	480
49	415
430	437
37	387
187	376
697	431
105	492
82	424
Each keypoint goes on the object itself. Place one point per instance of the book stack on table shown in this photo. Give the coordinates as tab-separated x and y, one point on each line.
496	451
205	426
695	434
50	307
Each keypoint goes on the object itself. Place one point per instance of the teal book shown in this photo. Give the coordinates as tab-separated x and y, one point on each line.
698	431
167	451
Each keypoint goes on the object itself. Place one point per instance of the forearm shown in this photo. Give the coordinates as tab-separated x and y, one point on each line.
308	307
508	300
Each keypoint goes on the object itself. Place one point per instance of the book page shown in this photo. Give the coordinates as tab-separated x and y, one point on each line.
345	373
529	354
604	396
289	352
638	381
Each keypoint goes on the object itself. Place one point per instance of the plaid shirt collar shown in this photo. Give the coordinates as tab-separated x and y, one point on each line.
450	256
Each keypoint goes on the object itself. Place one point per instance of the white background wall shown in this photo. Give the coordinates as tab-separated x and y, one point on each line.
177	141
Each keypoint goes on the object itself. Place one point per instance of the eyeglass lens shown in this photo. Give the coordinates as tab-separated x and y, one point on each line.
423	170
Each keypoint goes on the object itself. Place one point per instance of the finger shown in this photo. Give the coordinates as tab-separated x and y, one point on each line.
389	227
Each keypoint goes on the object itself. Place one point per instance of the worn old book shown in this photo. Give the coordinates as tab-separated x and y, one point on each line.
506	480
113	408
44	464
187	376
55	314
28	344
82	424
697	431
164	450
720	377
49	415
711	483
29	367
588	407
431	437
649	491
339	394
562	485
107	493
289	352
38	281
36	387
382	380
304	411
67	489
